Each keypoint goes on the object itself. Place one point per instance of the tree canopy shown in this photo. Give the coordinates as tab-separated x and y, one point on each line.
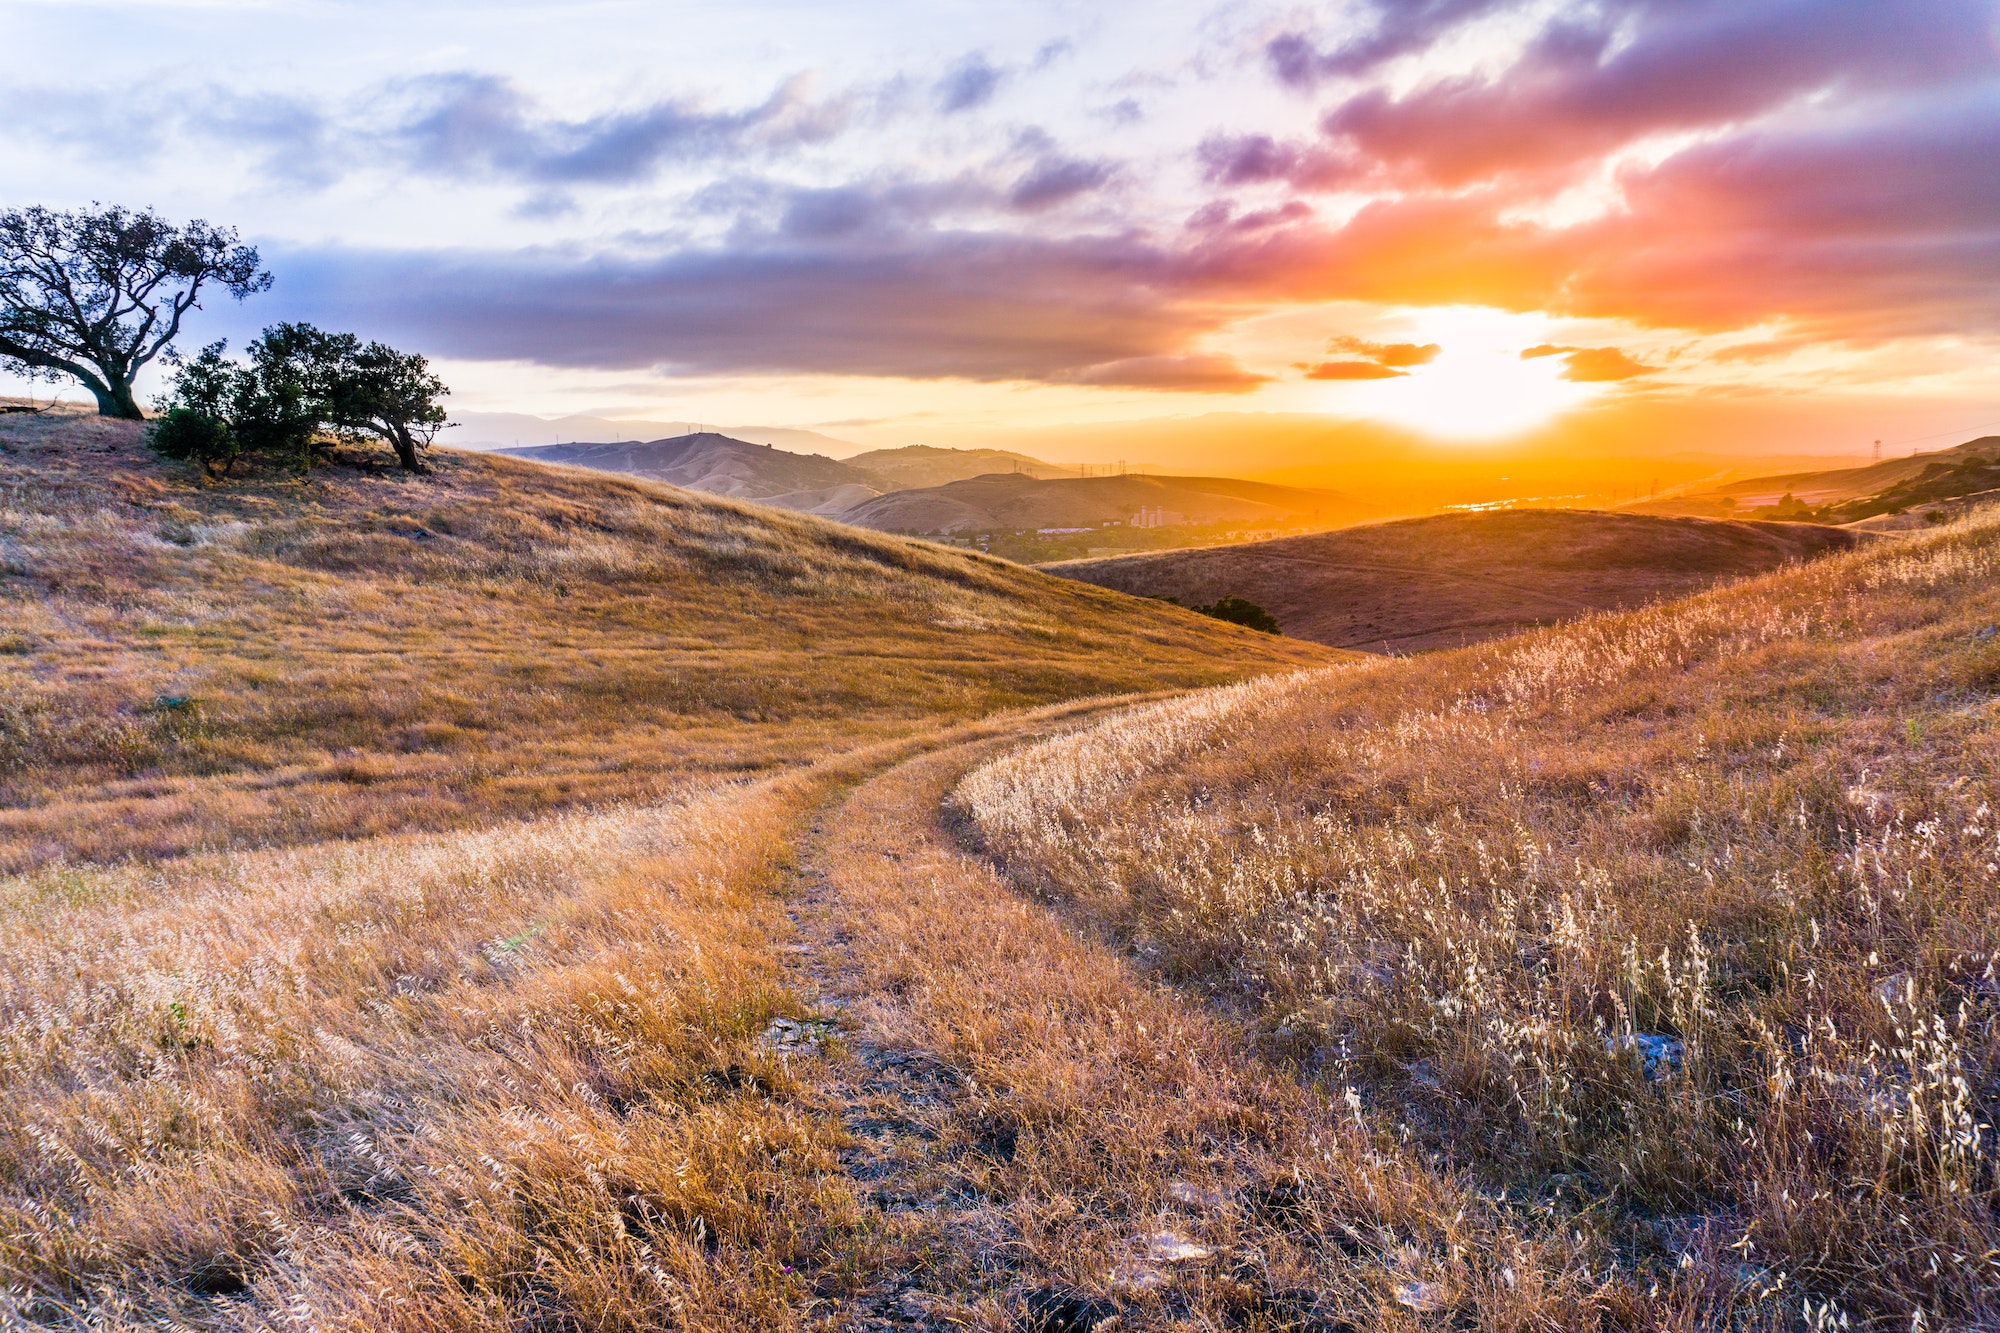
97	294
298	390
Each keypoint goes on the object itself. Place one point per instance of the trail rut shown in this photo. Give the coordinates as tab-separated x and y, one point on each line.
1046	1138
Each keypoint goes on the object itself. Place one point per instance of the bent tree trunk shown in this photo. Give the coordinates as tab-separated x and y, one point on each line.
406	450
114	399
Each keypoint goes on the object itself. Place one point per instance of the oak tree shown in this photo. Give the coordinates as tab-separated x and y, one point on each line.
99	293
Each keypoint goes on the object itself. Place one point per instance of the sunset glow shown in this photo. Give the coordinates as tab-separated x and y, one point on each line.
894	224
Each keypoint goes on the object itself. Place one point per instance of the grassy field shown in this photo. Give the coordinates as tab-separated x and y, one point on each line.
189	665
1665	946
391	898
402	878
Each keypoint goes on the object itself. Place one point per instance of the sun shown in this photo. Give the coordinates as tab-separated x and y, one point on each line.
1478	387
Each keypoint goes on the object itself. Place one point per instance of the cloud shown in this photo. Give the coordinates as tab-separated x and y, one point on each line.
1592	365
1387	354
1221	216
1371	360
1255	159
1597	78
1057	180
1183	374
969	85
1354	370
481	125
1399	28
1820	166
966	304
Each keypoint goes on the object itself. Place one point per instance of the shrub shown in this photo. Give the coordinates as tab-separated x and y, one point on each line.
1241	611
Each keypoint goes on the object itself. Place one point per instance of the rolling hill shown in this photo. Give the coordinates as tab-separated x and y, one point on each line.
486	431
1832	487
1461	578
355	655
920	465
779	476
1018	501
719	465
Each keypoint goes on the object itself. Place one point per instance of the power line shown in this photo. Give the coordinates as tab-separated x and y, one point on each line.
1919	439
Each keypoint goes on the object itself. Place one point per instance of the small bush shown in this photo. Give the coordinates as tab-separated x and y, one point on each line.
192	435
1241	611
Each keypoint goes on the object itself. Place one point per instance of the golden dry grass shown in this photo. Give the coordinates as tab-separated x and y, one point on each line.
186	664
1752	833
390	918
1102	1139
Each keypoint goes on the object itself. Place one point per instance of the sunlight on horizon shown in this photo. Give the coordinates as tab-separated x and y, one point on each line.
1479	388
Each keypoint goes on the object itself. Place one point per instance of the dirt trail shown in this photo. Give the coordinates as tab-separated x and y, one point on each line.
1046	1139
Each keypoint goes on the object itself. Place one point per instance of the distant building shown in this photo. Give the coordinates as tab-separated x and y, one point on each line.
1155	516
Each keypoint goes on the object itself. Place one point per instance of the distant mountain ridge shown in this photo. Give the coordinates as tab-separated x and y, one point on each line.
720	465
917	465
1006	500
496	432
926	489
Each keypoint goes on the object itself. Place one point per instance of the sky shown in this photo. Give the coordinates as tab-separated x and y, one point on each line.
1751	226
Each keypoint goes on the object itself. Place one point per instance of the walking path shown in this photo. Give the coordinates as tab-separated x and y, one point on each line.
1047	1139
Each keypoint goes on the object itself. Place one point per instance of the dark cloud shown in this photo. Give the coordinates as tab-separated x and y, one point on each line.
1398	28
969	84
1051	52
1221	216
1125	111
1057	180
1255	159
980	306
1592	365
1841	178
822	214
478	124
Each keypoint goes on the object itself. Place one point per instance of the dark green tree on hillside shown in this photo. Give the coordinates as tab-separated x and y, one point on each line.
98	294
298	391
392	396
1241	611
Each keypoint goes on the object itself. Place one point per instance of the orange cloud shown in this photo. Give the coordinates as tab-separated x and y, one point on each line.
1354	370
1399	355
1177	374
1593	365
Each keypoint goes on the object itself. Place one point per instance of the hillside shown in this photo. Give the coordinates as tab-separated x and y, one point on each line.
718	465
1015	501
1455	579
919	465
1835	486
498	430
189	664
812	483
1651	965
